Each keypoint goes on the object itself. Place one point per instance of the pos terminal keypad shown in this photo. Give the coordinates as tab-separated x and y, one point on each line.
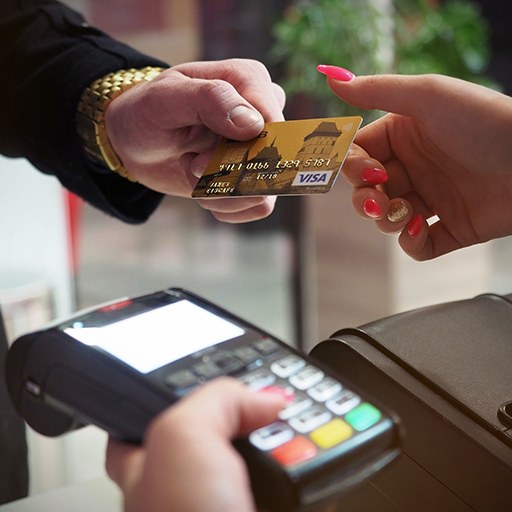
119	365
320	413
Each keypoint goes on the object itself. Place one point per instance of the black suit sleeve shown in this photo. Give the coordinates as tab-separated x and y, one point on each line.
48	56
13	445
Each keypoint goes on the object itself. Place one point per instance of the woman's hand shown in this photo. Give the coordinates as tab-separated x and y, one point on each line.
443	150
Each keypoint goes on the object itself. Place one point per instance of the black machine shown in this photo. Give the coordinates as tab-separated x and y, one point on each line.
446	370
118	365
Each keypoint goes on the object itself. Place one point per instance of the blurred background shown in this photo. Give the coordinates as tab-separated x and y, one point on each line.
313	266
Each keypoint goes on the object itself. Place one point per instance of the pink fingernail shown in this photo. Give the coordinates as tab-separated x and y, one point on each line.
374	176
371	208
415	226
341	74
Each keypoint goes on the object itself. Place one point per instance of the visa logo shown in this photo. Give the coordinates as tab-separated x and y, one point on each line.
312	178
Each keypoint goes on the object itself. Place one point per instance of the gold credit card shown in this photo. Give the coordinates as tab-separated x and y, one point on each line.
287	158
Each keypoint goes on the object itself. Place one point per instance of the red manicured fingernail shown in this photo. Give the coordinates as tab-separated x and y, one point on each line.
374	176
341	74
372	209
415	226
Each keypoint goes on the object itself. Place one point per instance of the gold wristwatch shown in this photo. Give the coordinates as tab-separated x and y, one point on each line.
90	119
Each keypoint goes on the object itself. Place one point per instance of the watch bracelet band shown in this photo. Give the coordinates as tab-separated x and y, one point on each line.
90	119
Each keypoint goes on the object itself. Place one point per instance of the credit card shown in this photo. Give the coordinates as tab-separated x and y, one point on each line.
287	158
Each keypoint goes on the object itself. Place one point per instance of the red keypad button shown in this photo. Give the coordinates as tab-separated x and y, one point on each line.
286	392
299	449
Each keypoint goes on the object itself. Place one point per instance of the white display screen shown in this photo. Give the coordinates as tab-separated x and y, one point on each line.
159	336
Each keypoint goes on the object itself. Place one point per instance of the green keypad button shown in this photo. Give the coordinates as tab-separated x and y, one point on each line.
363	417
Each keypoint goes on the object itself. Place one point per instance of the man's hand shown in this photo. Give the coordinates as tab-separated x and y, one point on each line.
164	131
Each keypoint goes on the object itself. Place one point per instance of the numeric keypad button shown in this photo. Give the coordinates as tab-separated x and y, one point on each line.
259	379
324	390
310	419
300	403
307	377
271	436
343	402
287	365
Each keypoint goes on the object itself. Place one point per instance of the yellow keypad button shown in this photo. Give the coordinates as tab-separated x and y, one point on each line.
331	434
